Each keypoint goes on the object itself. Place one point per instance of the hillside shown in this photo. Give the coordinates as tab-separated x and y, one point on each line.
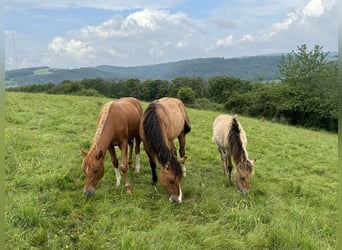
247	68
291	205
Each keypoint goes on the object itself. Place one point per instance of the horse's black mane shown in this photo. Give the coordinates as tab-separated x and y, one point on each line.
154	136
234	140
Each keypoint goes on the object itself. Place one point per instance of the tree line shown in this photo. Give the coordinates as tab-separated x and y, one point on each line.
305	94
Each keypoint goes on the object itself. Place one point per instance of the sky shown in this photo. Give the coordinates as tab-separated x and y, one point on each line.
81	33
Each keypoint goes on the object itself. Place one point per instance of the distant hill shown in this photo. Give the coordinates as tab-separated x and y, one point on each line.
248	68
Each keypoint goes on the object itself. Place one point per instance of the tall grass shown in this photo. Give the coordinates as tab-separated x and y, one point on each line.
292	203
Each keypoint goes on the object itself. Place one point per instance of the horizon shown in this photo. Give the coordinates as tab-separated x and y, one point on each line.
335	53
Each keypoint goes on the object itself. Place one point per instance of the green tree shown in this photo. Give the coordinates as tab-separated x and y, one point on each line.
222	87
197	84
302	67
187	95
154	89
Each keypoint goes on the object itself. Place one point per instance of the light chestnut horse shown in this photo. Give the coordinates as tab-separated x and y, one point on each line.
231	141
118	125
163	121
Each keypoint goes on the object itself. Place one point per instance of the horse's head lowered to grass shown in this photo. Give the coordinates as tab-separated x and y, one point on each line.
243	174
93	167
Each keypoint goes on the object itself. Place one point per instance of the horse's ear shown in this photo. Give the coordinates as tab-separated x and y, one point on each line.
84	153
99	155
182	160
167	167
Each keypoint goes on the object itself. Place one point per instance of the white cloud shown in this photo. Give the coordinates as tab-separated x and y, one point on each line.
225	42
75	51
313	8
147	34
247	38
144	21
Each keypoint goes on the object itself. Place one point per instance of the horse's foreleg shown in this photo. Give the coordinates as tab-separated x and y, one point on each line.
223	160
229	167
124	166
173	149
181	140
150	155
115	162
153	169
137	154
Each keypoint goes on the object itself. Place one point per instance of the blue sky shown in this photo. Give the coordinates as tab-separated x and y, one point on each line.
81	33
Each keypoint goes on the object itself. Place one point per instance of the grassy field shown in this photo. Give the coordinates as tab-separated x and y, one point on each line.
292	203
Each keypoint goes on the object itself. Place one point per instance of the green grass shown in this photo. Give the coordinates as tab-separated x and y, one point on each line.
292	203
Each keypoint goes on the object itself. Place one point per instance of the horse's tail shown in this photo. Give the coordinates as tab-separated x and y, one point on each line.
155	139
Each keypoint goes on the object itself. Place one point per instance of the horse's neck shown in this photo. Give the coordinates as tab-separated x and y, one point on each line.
241	157
102	142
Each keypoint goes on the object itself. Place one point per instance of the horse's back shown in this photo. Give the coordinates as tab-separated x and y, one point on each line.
172	112
221	128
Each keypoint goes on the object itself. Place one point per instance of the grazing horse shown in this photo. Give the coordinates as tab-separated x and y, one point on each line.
163	121
231	141
118	125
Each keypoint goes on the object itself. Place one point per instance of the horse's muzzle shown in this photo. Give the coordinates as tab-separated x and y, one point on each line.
175	199
89	191
243	191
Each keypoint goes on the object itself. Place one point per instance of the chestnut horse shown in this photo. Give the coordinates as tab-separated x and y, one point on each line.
163	121
118	125
231	141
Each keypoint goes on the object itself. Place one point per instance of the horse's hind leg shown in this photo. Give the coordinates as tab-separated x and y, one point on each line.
115	162
137	153
130	153
181	140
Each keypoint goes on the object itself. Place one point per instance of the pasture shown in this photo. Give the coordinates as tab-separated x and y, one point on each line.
291	204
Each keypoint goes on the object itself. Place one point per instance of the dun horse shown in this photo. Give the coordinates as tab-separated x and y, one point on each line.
231	141
163	121
118	125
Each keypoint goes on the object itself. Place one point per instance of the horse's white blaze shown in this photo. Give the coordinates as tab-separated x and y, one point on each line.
179	200
184	169
137	162
118	176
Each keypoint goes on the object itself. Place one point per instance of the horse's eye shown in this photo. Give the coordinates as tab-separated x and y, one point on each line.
172	182
242	178
95	171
